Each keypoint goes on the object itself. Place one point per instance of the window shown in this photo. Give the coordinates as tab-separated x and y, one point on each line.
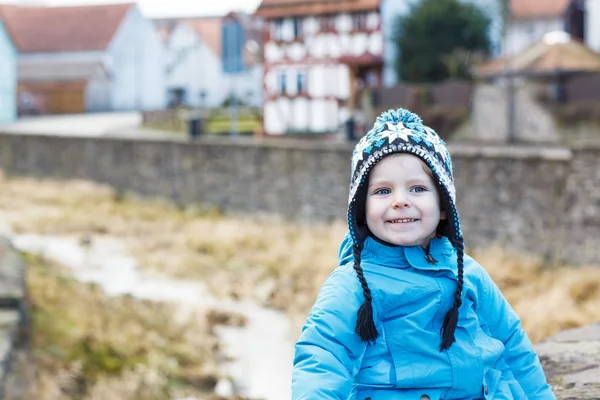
276	28
297	23
301	82
359	21
282	82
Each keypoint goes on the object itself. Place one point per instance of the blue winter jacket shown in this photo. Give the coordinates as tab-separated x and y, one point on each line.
492	357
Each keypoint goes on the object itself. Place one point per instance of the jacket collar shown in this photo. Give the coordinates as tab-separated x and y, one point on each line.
411	256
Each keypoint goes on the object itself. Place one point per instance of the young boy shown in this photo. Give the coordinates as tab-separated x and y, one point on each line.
407	315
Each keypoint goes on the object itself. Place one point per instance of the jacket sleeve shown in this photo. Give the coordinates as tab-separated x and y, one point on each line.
328	353
519	354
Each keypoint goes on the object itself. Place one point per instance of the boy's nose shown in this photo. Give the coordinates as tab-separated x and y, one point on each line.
400	201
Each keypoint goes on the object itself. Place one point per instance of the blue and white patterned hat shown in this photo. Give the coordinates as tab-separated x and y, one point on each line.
400	131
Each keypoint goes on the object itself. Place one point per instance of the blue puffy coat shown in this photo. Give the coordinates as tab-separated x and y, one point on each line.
492	357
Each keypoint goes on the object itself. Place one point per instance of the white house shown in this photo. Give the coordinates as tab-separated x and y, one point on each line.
88	58
531	20
194	68
195	74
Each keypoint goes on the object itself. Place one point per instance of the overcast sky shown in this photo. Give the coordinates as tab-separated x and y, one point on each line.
164	8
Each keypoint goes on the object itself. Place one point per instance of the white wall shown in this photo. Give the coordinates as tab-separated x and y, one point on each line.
98	93
249	85
137	61
8	78
325	84
216	82
184	63
199	70
523	33
592	24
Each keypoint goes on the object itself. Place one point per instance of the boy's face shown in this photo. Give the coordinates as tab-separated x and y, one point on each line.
403	204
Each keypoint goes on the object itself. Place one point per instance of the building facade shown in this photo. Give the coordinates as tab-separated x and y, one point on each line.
318	58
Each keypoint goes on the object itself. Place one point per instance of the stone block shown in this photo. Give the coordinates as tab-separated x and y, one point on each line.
571	361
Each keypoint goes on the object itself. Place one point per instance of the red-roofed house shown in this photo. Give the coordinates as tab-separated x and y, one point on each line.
87	58
318	55
530	20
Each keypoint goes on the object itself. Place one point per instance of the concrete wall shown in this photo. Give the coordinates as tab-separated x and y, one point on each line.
527	198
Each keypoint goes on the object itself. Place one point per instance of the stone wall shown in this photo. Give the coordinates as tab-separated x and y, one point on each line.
534	199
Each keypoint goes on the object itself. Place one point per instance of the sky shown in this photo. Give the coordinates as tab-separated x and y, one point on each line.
163	8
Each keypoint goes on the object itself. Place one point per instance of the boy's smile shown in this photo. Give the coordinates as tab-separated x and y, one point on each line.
403	204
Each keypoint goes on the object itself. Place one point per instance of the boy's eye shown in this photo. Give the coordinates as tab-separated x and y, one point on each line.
419	189
383	191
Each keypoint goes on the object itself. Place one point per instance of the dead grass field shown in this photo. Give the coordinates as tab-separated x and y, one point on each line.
85	345
276	263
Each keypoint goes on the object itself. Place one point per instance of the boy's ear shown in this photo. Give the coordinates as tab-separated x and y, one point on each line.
443	215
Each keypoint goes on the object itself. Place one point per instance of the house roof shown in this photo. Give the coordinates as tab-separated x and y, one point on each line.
556	52
285	8
538	8
63	29
209	30
58	70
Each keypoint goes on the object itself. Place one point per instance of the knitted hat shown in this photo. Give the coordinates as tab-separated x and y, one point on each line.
401	131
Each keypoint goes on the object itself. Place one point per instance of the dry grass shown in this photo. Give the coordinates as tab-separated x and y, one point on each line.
88	346
548	300
276	263
238	257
